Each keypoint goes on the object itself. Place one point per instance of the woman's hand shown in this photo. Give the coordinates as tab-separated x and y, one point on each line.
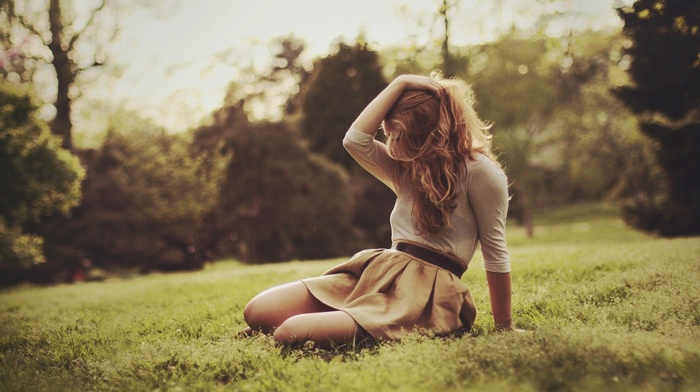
417	82
371	117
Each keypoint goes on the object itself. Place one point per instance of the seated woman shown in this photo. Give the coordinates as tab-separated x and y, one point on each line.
451	196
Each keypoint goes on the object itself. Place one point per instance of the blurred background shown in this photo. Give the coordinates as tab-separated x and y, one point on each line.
157	135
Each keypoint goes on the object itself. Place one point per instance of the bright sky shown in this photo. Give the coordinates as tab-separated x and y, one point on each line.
178	57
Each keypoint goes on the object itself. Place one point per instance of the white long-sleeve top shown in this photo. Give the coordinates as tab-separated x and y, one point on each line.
480	215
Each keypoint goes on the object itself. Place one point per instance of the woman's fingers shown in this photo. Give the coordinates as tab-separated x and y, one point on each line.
416	82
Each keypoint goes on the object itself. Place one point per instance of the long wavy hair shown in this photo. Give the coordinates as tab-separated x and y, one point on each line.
433	135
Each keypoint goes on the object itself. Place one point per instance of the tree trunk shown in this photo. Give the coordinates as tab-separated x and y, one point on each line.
65	75
446	58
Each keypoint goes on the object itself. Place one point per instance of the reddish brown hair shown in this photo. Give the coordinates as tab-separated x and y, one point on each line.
434	134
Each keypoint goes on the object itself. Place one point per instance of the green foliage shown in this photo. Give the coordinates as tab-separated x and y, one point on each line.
145	198
58	33
665	44
18	251
274	93
279	201
413	59
36	177
665	92
372	205
508	68
560	133
340	86
517	90
602	155
606	308
288	65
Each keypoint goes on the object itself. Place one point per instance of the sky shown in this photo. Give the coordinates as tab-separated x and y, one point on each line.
178	57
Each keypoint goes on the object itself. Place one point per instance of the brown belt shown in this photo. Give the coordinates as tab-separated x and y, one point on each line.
430	256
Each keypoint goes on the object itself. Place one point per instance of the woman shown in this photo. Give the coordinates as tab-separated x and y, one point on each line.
451	195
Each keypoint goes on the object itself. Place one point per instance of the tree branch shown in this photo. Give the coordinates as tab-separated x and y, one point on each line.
87	25
24	22
93	65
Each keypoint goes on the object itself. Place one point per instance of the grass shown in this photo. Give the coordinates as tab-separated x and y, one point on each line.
606	308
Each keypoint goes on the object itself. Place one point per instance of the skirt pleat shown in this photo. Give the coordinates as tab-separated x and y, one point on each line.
391	293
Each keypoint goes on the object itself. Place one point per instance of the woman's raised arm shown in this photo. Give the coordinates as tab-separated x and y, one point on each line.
371	117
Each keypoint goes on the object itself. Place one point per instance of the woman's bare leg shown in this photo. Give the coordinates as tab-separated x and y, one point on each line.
325	329
293	315
269	309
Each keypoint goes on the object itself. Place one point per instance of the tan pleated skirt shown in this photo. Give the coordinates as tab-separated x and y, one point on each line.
390	293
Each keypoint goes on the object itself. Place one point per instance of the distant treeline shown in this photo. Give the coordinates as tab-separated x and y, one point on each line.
266	191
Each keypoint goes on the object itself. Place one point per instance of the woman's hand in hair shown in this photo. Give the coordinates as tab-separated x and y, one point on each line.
417	82
371	117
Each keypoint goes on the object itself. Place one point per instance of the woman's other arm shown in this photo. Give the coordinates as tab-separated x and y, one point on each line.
488	195
500	294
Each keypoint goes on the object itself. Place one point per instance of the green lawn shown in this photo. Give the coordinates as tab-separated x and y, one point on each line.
606	308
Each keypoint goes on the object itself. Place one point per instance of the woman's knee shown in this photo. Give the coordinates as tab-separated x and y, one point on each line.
257	315
249	312
273	306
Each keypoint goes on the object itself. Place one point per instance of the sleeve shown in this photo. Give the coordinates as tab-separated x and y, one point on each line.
488	195
373	156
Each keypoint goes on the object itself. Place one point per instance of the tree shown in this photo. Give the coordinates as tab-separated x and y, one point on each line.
602	153
665	94
56	31
288	65
557	128
146	195
515	91
279	201
36	177
273	94
341	85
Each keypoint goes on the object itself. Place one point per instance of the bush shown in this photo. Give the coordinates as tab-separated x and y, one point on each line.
279	201
36	177
146	197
